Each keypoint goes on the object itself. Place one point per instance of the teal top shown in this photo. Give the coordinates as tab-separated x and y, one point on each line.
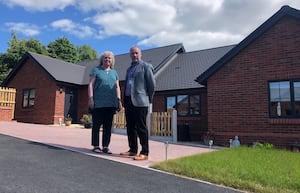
105	88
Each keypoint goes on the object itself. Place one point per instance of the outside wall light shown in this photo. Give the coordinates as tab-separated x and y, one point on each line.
61	89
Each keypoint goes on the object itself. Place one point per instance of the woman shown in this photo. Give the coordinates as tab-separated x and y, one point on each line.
104	99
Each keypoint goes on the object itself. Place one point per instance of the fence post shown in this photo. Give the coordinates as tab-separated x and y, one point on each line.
149	119
174	125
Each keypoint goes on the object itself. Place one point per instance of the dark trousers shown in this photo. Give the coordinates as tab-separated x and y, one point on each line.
136	126
102	116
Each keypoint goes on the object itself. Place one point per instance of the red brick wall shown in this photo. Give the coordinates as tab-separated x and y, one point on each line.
6	113
238	92
31	75
159	103
59	105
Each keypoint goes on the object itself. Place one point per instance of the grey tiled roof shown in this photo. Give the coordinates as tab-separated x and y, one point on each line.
78	74
184	69
60	70
174	68
156	56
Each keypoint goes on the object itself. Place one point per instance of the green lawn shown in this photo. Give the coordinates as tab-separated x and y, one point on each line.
245	168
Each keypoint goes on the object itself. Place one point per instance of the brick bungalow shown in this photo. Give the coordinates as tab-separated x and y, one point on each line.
253	91
49	89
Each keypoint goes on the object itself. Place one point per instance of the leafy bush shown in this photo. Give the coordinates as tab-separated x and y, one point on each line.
263	145
86	120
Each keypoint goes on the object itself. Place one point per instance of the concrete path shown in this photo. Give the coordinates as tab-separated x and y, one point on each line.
78	139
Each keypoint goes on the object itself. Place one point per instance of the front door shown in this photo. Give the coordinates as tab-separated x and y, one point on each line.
71	103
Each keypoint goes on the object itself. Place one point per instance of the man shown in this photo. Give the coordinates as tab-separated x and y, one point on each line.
138	95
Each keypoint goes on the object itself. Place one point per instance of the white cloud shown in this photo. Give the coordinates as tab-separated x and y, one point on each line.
75	29
192	40
39	5
23	28
140	18
102	6
197	24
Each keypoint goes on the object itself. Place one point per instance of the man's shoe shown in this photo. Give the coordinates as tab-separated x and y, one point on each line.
140	157
106	150
128	153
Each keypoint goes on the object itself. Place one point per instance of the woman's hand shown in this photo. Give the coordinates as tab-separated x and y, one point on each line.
120	106
91	103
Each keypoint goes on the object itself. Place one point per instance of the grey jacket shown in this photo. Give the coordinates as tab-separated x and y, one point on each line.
143	85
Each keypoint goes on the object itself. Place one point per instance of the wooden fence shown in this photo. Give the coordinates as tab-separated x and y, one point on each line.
7	103
119	120
162	126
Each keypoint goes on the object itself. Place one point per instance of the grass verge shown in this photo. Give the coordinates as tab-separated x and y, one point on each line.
249	169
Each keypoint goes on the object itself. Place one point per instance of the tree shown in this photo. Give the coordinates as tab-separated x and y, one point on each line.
63	49
14	53
17	48
87	53
32	45
4	70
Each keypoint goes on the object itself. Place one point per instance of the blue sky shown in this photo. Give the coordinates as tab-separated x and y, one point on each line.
116	25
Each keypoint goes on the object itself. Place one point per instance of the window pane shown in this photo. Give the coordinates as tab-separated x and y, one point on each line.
194	105
297	97
182	105
171	102
297	108
297	91
25	98
280	91
273	108
280	97
284	91
28	98
286	108
32	97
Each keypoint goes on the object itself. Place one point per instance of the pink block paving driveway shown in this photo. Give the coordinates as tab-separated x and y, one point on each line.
78	139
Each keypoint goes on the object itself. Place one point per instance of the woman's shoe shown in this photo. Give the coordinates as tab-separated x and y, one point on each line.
96	149
106	150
